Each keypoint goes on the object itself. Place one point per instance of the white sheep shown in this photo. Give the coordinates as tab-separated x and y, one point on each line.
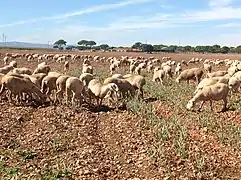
66	66
234	84
22	70
18	86
178	69
211	81
125	88
13	64
216	74
168	70
190	74
207	68
6	69
100	91
132	68
49	85
158	75
41	64
112	68
120	76
137	81
42	69
60	86
216	92
6	60
74	87
87	69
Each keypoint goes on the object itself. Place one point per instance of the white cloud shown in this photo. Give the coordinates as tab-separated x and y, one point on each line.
228	25
93	9
31	39
125	30
220	3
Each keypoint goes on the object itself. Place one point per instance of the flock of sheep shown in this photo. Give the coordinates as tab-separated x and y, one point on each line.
23	85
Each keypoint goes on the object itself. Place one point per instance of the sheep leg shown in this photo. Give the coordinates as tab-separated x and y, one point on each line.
68	95
73	98
211	105
58	96
201	105
224	105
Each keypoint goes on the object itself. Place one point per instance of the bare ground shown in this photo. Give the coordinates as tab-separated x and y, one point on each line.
164	142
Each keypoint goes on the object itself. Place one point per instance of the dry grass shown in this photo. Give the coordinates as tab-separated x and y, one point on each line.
154	138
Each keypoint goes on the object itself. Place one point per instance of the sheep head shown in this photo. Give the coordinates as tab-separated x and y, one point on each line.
190	104
113	87
178	80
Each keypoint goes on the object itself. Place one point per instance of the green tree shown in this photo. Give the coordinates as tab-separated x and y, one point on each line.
83	43
104	46
91	43
137	45
69	47
238	49
60	43
147	48
225	49
187	48
216	48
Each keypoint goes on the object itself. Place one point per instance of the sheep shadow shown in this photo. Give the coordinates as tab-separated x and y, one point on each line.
150	99
102	108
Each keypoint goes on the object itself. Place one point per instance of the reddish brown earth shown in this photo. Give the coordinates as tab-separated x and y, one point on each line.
106	145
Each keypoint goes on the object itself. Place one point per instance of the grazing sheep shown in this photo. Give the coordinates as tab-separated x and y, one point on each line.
6	60
48	85
168	70
184	62
86	78
124	86
54	74
42	69
22	71
190	74
138	70
211	81
207	68
238	75
42	64
87	69
234	84
120	76
18	86
60	86
178	69
66	66
112	68
13	64
100	91
149	67
158	75
132	68
216	74
6	69
137	81
232	70
86	62
75	87
216	92
39	76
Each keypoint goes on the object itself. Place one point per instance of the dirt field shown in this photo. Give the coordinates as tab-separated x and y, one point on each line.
155	138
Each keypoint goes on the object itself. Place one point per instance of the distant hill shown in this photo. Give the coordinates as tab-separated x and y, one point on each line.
25	44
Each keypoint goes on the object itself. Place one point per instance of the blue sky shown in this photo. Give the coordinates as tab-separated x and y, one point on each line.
123	22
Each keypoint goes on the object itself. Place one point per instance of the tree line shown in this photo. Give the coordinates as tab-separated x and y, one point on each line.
149	48
81	45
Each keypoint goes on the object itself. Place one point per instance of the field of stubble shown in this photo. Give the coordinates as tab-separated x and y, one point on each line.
155	138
